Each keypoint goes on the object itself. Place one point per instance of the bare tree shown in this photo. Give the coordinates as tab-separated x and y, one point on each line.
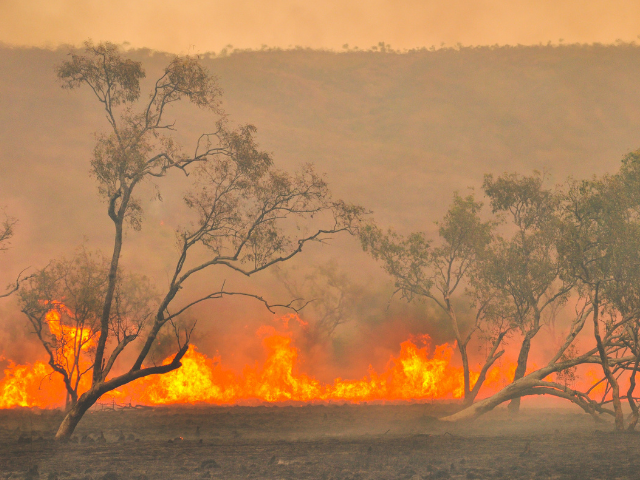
248	216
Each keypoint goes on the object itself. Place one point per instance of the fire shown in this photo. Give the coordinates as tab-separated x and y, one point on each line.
413	375
417	373
30	386
38	385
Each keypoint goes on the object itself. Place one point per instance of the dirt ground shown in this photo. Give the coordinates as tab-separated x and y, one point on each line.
315	442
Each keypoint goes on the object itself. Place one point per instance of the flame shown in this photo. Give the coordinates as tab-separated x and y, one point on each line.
38	385
417	373
30	386
413	375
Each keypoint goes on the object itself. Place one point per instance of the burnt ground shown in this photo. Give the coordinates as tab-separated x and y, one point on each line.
315	442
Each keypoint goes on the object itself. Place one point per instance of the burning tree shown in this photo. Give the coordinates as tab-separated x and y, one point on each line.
63	303
248	215
423	270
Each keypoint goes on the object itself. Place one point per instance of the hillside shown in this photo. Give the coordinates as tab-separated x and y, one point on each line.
397	133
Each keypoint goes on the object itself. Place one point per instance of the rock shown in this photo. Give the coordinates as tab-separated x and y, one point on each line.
272	460
211	463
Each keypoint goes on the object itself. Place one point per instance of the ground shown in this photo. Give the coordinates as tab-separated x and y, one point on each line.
315	442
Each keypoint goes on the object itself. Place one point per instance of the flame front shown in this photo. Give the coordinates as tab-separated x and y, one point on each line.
410	376
415	373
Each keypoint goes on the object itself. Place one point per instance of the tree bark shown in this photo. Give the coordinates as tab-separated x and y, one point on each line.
106	312
521	369
509	392
467	380
615	387
635	414
75	414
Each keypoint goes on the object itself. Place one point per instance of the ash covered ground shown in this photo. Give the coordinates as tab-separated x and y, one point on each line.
315	442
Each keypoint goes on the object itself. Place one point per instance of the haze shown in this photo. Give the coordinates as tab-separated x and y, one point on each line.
205	25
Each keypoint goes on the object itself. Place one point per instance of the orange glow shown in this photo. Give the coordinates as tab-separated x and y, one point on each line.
30	386
38	385
417	373
413	375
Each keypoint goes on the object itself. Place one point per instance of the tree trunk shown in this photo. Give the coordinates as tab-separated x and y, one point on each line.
106	311
615	387
521	369
635	414
509	392
465	367
74	415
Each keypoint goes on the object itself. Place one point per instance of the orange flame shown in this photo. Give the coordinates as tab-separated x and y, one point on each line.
415	374
410	376
38	385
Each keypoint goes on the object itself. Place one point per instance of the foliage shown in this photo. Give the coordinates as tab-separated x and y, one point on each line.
63	303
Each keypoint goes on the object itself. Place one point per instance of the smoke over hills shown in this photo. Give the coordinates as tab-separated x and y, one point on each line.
397	133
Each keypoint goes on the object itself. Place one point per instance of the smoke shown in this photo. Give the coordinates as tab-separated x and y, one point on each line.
397	134
205	25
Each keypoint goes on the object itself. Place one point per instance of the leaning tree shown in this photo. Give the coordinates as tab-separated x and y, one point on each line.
247	216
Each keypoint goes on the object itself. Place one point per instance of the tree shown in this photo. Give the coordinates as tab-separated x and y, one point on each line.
63	303
597	245
600	245
422	270
248	216
525	266
328	298
6	231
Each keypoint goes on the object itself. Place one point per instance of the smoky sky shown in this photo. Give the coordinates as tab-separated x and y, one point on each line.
206	25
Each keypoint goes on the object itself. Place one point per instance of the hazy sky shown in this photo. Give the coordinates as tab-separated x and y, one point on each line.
183	26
